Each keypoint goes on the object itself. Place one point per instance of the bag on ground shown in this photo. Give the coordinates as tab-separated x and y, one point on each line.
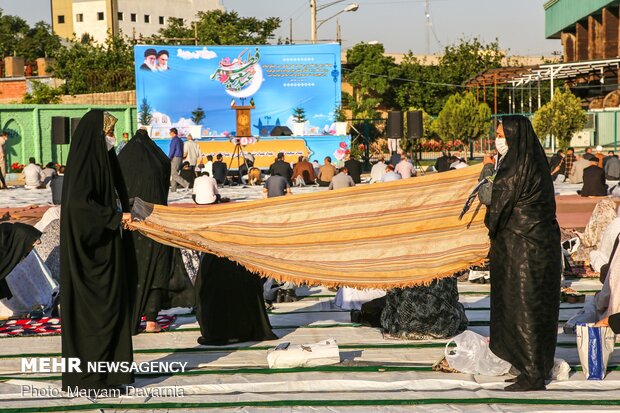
472	355
322	353
595	345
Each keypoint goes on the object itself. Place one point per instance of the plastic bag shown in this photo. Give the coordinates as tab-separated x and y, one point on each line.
595	345
472	355
560	370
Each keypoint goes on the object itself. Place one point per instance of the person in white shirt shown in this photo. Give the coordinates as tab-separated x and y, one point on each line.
457	163
205	190
405	168
209	165
191	151
378	170
33	174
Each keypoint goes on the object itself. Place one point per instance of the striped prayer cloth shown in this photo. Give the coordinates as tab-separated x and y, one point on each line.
384	235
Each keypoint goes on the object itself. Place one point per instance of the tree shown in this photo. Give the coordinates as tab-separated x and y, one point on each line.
13	30
560	118
463	118
371	74
299	115
220	27
42	94
40	41
95	68
198	115
145	115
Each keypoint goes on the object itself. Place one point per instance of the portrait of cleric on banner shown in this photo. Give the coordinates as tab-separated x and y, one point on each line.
219	93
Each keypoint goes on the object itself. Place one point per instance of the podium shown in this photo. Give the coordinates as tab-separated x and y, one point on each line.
244	121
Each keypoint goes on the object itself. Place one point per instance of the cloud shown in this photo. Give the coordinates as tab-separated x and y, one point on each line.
198	54
184	122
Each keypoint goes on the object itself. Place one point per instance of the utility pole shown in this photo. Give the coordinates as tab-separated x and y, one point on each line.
290	26
338	39
429	26
313	21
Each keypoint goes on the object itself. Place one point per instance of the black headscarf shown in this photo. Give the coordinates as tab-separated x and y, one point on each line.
95	302
16	241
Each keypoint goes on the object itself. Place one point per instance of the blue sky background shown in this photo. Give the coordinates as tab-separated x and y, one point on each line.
398	24
187	85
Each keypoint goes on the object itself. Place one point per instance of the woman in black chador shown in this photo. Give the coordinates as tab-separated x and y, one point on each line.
525	256
162	281
16	242
230	303
95	302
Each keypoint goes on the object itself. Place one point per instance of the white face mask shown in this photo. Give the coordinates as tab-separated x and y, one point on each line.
501	146
110	141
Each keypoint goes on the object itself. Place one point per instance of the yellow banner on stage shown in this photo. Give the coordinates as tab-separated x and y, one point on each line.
264	151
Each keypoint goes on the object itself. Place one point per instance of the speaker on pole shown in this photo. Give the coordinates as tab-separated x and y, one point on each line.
394	127
74	124
415	125
60	130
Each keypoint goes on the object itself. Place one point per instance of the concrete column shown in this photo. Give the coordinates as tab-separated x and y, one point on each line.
581	35
595	37
568	41
610	32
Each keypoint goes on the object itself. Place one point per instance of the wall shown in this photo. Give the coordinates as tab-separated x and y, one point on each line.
98	29
30	129
63	8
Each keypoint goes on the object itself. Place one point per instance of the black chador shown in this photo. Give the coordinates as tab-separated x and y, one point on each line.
161	280
525	258
95	301
16	241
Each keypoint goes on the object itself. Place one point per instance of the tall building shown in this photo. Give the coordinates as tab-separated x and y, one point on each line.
589	29
131	17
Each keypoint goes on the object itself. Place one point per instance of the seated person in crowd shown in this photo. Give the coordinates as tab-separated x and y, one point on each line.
355	169
457	163
276	185
601	255
303	172
593	181
48	173
612	168
326	172
395	158
33	174
342	180
219	168
576	173
188	174
390	175
281	168
442	164
405	168
56	185
378	170
612	321
205	191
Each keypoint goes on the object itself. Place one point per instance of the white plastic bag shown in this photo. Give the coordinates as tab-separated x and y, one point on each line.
560	370
472	355
322	353
595	345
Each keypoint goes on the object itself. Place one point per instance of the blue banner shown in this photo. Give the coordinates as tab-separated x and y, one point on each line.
174	84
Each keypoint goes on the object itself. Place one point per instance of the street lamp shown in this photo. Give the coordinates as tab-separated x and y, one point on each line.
314	9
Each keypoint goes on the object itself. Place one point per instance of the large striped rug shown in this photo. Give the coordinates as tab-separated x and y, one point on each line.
383	235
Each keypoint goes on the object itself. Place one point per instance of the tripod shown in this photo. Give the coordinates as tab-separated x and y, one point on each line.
416	163
238	153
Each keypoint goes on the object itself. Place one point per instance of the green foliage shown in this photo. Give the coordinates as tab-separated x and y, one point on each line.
42	94
463	118
198	115
94	68
220	27
299	115
561	117
372	75
145	115
339	114
39	41
13	30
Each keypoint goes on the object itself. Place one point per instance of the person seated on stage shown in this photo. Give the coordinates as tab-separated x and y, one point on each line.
612	168
276	185
316	165
48	173
33	174
355	169
342	180
593	181
281	168
390	174
188	173
255	176
246	162
230	304
303	172
56	185
405	167
442	164
326	172
600	256
220	170
378	170
575	175
205	191
209	165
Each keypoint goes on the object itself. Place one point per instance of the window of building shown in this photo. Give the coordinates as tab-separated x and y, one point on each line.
120	15
100	15
61	19
161	19
133	17
147	18
79	17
